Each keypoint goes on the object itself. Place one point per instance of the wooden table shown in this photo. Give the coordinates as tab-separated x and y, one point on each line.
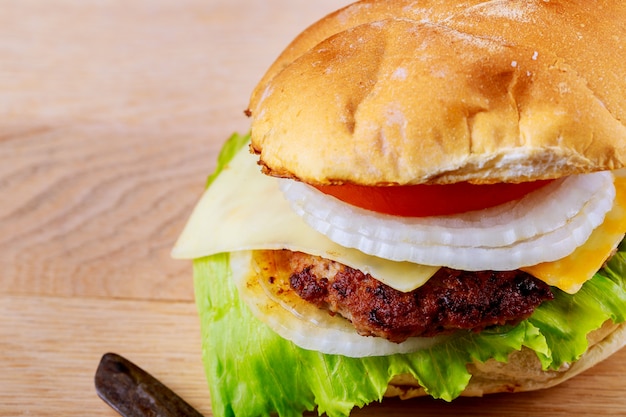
111	114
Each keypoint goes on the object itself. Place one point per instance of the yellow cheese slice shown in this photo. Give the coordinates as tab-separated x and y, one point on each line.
571	272
245	210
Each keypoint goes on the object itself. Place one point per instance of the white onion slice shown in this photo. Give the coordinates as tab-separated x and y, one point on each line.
307	326
545	225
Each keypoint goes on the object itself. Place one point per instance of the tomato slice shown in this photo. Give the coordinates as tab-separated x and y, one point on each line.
430	200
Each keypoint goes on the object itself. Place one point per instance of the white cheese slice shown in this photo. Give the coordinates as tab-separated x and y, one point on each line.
245	210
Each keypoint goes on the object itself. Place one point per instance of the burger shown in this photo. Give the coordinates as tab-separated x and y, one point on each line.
430	202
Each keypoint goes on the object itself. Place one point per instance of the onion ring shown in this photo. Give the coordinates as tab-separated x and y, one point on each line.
304	324
545	225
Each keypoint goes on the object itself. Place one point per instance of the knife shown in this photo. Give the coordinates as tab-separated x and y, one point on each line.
133	392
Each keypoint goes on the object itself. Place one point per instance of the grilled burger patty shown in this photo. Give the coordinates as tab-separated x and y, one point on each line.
449	301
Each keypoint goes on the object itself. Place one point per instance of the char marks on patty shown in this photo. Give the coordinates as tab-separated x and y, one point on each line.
451	300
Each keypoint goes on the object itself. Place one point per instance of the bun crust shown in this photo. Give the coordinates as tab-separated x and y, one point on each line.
523	371
402	92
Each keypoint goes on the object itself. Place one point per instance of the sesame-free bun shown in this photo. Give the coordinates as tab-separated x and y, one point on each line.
523	370
408	92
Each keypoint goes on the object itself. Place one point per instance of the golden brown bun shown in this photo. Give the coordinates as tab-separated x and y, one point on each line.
523	371
405	92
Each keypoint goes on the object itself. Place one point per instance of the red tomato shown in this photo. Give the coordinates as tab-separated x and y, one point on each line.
430	200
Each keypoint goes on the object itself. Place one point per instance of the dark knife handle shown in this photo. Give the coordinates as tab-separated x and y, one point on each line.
133	392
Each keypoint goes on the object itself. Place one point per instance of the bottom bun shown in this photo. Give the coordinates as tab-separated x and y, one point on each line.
523	370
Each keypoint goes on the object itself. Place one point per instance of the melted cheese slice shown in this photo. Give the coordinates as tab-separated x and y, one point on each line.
243	210
571	272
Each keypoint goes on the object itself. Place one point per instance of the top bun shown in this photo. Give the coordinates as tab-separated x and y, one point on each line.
406	92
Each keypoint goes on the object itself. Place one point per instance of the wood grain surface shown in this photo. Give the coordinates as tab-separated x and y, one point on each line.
111	115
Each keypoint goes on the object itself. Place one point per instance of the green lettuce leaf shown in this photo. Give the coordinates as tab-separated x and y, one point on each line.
254	372
251	371
228	151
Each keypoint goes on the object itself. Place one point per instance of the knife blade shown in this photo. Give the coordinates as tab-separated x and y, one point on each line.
133	392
